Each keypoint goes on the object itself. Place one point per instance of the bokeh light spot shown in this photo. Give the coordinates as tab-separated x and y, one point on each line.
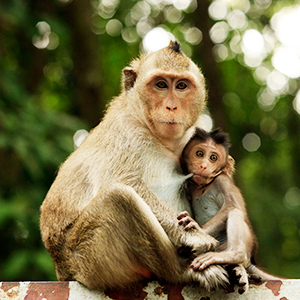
251	142
292	197
205	122
253	43
114	27
218	10
193	35
219	32
287	61
296	103
157	39
79	137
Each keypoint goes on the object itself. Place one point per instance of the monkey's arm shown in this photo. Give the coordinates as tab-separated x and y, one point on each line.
225	197
167	217
217	223
240	242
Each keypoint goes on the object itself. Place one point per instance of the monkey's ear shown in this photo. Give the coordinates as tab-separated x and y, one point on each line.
129	78
230	167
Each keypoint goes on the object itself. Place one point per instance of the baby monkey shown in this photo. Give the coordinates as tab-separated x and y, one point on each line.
218	205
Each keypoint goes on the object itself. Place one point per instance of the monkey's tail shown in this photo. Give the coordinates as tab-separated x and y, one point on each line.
256	272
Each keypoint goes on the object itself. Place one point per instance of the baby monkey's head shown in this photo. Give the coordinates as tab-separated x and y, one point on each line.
206	155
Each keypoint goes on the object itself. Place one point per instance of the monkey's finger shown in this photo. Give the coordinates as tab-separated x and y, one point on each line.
186	220
197	265
182	215
203	261
190	225
243	284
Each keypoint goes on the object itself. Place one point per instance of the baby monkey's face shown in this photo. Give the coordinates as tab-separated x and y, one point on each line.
205	160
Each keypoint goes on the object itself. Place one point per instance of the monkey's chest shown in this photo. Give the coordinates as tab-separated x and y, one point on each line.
207	205
170	188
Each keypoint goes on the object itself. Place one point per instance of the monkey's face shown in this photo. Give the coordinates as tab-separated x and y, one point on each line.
205	160
172	104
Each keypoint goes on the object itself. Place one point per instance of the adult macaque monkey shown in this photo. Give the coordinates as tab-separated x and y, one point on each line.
218	206
110	217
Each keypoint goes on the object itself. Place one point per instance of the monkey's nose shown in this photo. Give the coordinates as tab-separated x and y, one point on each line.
171	108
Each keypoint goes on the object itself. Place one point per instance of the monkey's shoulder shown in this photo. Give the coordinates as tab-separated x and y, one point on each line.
224	184
231	194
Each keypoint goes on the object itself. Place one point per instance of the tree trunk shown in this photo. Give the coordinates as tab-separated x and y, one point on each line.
87	62
203	54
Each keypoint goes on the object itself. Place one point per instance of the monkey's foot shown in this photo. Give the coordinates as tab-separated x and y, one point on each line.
211	278
242	278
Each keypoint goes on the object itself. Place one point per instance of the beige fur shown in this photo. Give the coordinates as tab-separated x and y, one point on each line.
101	220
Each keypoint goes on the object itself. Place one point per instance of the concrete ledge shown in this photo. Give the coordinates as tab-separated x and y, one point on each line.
281	290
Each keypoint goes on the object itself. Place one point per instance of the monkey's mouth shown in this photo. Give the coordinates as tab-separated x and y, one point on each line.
200	176
201	179
171	123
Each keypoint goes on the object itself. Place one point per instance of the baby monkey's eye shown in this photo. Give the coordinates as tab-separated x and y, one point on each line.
213	157
161	84
181	85
199	153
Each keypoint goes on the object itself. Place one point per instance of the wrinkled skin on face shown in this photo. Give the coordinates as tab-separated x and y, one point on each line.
172	105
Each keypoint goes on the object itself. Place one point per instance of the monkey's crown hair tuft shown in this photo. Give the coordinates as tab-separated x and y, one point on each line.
175	46
218	136
221	137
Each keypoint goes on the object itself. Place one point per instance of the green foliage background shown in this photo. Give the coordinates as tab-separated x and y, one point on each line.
47	94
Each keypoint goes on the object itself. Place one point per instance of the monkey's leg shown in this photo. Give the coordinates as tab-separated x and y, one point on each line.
239	244
117	241
196	239
237	252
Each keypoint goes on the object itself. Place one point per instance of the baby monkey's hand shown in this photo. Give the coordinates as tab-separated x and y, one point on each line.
187	221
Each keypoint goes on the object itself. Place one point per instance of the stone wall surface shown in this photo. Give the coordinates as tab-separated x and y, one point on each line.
281	290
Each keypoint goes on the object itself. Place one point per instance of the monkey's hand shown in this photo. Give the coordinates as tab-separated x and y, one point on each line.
187	221
196	241
204	260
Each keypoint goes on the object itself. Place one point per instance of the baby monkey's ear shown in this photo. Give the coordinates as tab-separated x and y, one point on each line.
230	166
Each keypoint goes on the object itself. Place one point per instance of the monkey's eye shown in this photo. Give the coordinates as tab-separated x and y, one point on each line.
199	153
161	84
213	157
181	85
